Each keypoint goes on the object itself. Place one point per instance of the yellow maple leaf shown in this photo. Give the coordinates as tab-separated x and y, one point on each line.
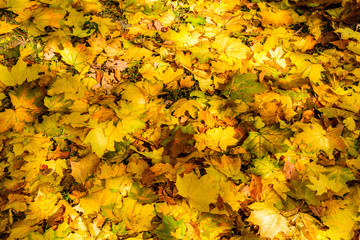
75	56
6	27
184	59
324	184
48	17
183	105
199	192
313	71
18	6
18	74
96	137
231	50
113	133
15	119
65	83
170	75
137	217
82	169
96	199
230	167
216	139
277	19
20	229
317	139
269	219
110	171
314	136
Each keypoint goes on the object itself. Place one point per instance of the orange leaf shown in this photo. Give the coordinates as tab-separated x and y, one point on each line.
255	188
277	19
82	169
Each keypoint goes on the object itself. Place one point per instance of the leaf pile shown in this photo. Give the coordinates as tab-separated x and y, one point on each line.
160	119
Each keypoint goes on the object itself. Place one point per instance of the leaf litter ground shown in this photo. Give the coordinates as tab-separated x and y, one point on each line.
179	119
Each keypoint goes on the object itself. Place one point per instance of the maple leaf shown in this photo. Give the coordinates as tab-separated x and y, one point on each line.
267	139
65	83
18	73
57	103
323	184
354	197
97	199
96	137
183	105
21	229
180	143
231	50
113	133
6	27
213	225
307	225
82	169
169	227
75	56
142	194
269	219
229	166
231	194
15	119
265	167
216	139
169	75
29	98
277	19
244	87
201	52
341	225
199	192
317	139
137	217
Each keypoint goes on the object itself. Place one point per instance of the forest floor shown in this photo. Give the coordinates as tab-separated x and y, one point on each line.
149	119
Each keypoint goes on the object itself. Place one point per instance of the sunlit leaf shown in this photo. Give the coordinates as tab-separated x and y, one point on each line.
269	220
199	192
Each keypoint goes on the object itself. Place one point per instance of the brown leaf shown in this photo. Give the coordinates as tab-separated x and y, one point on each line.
317	210
342	44
57	217
289	170
147	177
103	114
82	169
353	17
179	144
158	25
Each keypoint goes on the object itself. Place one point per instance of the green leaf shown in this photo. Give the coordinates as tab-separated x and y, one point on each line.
244	87
341	225
323	184
119	229
195	21
270	139
142	194
265	167
168	227
57	103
